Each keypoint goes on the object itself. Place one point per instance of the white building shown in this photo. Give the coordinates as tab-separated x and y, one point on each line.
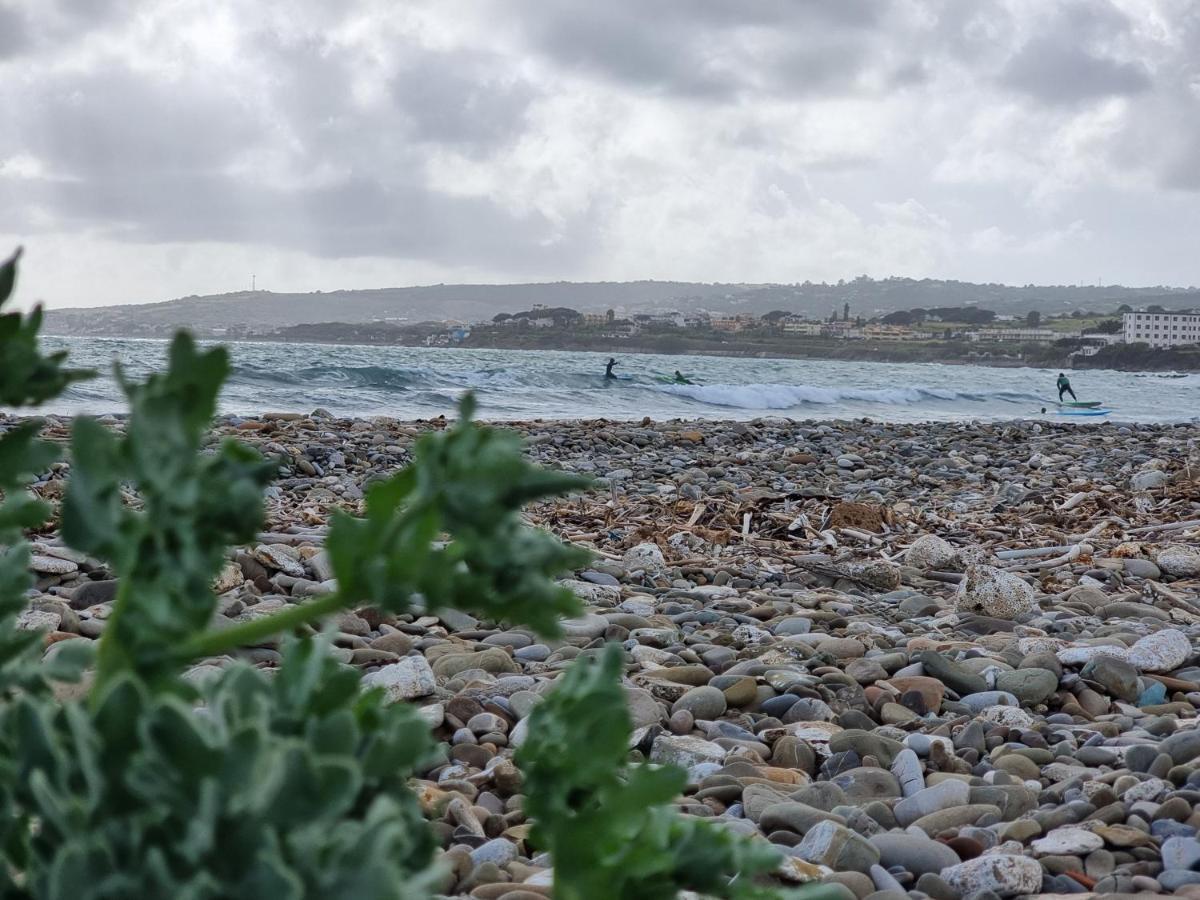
669	319
1162	329
1094	343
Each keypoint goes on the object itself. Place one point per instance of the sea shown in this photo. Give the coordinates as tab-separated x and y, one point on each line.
422	383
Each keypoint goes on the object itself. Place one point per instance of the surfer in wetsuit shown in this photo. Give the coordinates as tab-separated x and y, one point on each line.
1064	387
608	372
680	379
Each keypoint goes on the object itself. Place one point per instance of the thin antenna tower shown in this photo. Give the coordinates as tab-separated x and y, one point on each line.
253	279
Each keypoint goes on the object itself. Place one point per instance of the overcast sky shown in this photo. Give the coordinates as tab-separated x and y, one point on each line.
160	148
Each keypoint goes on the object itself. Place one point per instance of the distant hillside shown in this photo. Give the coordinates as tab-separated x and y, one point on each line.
256	310
264	310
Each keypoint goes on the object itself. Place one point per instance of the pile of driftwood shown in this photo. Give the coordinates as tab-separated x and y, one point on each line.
1040	536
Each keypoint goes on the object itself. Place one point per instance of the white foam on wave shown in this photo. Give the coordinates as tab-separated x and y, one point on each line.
786	396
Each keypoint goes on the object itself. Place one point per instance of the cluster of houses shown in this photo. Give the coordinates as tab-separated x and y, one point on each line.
1157	328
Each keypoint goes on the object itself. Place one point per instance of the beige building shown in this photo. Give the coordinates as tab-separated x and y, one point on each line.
731	323
800	327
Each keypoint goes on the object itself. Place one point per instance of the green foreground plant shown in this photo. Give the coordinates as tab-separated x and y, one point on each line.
157	782
608	825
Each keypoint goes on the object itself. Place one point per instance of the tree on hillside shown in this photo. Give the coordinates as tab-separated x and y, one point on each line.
1124	308
1033	318
1108	326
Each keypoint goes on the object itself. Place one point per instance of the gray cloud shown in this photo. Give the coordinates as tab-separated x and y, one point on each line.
352	217
711	50
570	138
459	98
14	33
1070	60
118	122
1052	72
174	160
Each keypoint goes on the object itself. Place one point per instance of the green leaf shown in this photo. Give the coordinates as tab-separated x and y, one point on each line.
193	505
69	660
26	376
93	514
22	455
470	484
8	275
608	825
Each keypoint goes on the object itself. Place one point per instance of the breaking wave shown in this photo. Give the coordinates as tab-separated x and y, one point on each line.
787	396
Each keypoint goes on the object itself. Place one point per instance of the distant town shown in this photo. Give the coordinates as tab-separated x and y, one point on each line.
1127	338
889	320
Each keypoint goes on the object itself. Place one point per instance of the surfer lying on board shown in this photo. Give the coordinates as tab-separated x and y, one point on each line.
1064	387
680	379
608	372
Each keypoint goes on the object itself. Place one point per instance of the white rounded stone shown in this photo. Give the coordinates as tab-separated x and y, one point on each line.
1179	560
404	680
1160	652
930	552
1006	875
1067	841
998	594
1009	716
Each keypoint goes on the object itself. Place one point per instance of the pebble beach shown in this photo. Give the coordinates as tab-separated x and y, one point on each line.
944	660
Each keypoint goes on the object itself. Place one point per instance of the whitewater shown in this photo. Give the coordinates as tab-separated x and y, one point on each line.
422	383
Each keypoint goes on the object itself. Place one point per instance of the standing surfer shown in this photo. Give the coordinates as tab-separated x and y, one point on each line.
1064	387
608	369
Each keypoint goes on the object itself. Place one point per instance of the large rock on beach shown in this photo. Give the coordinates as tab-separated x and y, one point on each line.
685	751
1003	875
995	593
914	853
407	679
1162	651
647	557
839	848
930	552
1179	560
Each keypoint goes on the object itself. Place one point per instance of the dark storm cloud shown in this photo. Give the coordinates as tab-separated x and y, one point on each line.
1070	62
110	123
14	33
94	12
460	98
1053	72
590	38
710	49
352	217
165	159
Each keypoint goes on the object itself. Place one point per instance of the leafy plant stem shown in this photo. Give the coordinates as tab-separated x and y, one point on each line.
214	643
110	651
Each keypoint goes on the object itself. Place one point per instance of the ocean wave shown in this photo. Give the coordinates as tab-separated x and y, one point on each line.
340	376
787	396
